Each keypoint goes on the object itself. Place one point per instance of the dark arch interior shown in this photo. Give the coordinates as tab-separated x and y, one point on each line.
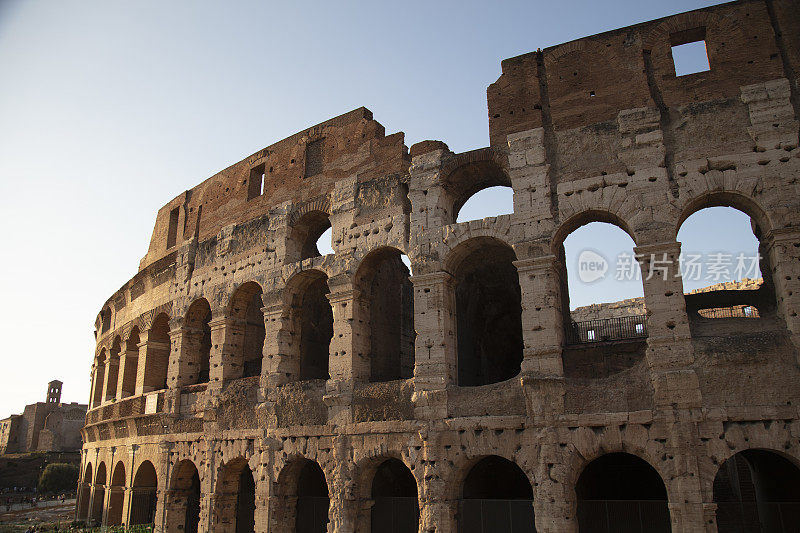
186	485
198	321
616	490
757	491
158	353
307	232
143	497
387	287
471	178
496	497
246	305
131	363
99	493
115	499
488	314
394	491
245	502
316	330
312	499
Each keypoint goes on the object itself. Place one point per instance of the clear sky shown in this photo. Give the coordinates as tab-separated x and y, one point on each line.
110	109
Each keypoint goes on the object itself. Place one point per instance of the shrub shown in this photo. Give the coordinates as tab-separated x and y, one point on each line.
57	477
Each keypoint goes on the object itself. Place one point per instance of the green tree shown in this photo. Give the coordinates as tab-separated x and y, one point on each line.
58	476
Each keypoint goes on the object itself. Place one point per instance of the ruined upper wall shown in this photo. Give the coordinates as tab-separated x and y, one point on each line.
353	145
584	84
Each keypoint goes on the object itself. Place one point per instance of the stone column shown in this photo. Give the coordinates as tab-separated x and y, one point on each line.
263	485
437	503
343	503
153	361
280	364
783	254
227	334
349	352
436	346
542	372
98	373
669	346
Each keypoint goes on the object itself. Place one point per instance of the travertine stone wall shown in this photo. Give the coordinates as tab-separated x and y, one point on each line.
599	129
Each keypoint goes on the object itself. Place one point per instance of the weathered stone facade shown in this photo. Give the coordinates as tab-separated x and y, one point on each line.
243	382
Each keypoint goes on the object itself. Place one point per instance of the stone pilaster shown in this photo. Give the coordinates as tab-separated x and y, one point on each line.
279	365
226	357
783	253
436	358
437	506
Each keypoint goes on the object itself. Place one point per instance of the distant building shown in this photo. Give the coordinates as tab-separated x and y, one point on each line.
44	426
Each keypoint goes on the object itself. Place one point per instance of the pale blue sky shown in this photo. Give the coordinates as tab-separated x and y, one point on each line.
109	109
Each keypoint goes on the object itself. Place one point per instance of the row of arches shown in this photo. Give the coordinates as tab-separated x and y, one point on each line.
487	301
754	490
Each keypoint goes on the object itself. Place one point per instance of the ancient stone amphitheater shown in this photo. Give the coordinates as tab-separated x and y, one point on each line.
243	382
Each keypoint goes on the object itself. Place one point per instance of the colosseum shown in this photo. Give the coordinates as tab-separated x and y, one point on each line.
244	382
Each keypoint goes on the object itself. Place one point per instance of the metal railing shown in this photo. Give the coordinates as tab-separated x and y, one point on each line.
744	517
496	516
606	329
630	516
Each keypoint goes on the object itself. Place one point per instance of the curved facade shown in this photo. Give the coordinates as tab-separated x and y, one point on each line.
243	382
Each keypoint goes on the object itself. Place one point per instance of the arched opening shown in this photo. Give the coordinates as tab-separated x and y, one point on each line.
99	494
621	492
117	496
395	506
471	178
99	378
183	509
311	318
198	337
722	266
144	495
383	279
497	497
235	499
488	311
757	491
305	235
131	363
113	369
157	355
312	499
246	305
489	202
85	493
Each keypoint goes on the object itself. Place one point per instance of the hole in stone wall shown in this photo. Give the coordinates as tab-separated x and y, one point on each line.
489	202
255	187
689	53
172	232
324	246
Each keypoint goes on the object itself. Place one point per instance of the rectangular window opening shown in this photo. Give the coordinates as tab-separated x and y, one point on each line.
314	154
172	232
256	184
689	53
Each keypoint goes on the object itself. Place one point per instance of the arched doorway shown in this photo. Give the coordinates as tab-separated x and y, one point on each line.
198	338
395	506
235	498
184	506
385	287
246	307
117	496
313	501
488	311
497	497
757	491
620	492
144	495
85	493
99	494
311	317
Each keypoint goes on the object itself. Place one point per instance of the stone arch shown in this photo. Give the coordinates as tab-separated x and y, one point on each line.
496	493
757	489
387	296
112	368
144	494
85	492
99	378
156	357
117	496
197	322
391	488
234	498
306	226
99	493
130	363
309	314
468	173
583	218
302	497
488	310
726	198
184	497
245	308
615	486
